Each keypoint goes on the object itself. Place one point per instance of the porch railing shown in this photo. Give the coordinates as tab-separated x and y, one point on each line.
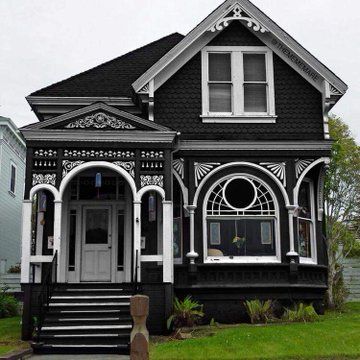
48	283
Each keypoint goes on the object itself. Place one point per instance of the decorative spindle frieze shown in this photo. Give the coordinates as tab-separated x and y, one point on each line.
45	153
178	166
146	180
278	169
68	165
301	165
151	165
44	179
202	169
129	166
43	164
100	120
152	154
91	153
237	14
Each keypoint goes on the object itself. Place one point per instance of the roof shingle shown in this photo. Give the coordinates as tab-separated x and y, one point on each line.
113	78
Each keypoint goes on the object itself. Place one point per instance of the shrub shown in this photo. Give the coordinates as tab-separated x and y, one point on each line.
15	269
9	306
260	312
186	313
301	313
340	292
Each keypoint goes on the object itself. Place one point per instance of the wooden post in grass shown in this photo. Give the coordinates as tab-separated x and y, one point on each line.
139	338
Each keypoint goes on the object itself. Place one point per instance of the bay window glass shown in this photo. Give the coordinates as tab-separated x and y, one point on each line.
241	220
306	220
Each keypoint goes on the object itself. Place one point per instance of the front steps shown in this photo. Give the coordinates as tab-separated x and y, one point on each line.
87	318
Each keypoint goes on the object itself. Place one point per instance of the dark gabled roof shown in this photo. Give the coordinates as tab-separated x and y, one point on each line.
113	78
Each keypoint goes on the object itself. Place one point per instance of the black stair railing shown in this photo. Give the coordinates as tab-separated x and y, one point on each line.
48	283
135	274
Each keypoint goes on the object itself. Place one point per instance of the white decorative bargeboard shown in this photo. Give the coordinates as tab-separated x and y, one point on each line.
237	14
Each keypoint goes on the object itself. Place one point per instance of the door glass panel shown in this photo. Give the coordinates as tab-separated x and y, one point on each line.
97	225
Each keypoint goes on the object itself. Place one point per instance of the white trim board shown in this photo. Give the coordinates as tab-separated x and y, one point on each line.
274	37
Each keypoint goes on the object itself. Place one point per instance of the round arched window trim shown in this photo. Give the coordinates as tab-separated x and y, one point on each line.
229	181
243	259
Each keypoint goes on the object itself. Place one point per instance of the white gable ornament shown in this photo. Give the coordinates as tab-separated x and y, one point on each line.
237	14
278	169
301	165
100	120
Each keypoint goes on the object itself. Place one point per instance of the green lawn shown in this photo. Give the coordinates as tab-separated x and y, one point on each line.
10	335
336	336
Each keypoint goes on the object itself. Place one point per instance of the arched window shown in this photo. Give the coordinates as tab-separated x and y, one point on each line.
241	221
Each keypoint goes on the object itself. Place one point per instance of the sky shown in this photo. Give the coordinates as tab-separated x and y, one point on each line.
42	41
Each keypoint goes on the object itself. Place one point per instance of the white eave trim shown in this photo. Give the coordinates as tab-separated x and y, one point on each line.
208	145
75	100
257	14
100	136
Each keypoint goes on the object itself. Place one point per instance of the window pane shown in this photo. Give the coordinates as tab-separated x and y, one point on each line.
72	240
220	67
254	67
121	232
304	238
220	97
12	179
241	237
255	98
304	200
97	225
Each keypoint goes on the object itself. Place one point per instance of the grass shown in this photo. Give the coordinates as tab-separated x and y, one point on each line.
10	329
335	336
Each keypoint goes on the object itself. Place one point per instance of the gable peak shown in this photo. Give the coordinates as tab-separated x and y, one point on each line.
237	13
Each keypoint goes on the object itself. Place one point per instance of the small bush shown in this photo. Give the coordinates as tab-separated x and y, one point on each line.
340	292
260	312
9	306
186	313
300	313
15	269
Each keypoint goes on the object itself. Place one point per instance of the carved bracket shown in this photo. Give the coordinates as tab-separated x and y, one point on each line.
129	166
178	166
202	169
278	169
68	165
237	14
301	165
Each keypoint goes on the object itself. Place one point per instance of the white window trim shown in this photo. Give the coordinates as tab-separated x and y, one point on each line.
238	115
12	164
313	258
242	259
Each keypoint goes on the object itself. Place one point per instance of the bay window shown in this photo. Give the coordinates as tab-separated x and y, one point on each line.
306	222
237	84
241	221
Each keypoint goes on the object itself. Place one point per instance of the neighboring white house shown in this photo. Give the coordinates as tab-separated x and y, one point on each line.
12	175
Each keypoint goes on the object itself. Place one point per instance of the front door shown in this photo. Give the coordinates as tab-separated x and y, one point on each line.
96	244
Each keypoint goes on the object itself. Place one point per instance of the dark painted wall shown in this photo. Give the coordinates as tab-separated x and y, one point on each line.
298	104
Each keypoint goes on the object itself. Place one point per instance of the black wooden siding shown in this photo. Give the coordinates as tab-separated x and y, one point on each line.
298	104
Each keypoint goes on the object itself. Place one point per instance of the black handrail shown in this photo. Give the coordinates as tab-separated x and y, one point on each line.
47	286
135	275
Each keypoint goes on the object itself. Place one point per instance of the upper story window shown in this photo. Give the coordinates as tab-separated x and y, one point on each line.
12	178
306	222
237	84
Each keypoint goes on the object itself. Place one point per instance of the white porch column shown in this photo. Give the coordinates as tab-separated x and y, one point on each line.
168	248
192	255
291	212
26	241
137	240
57	238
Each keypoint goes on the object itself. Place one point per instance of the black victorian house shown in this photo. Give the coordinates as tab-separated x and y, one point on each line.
192	165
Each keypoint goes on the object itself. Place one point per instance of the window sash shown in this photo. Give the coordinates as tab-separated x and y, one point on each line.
237	80
12	178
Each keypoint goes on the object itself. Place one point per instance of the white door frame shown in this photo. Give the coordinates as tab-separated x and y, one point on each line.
115	205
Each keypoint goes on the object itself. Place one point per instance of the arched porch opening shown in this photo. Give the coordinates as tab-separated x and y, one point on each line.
96	225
